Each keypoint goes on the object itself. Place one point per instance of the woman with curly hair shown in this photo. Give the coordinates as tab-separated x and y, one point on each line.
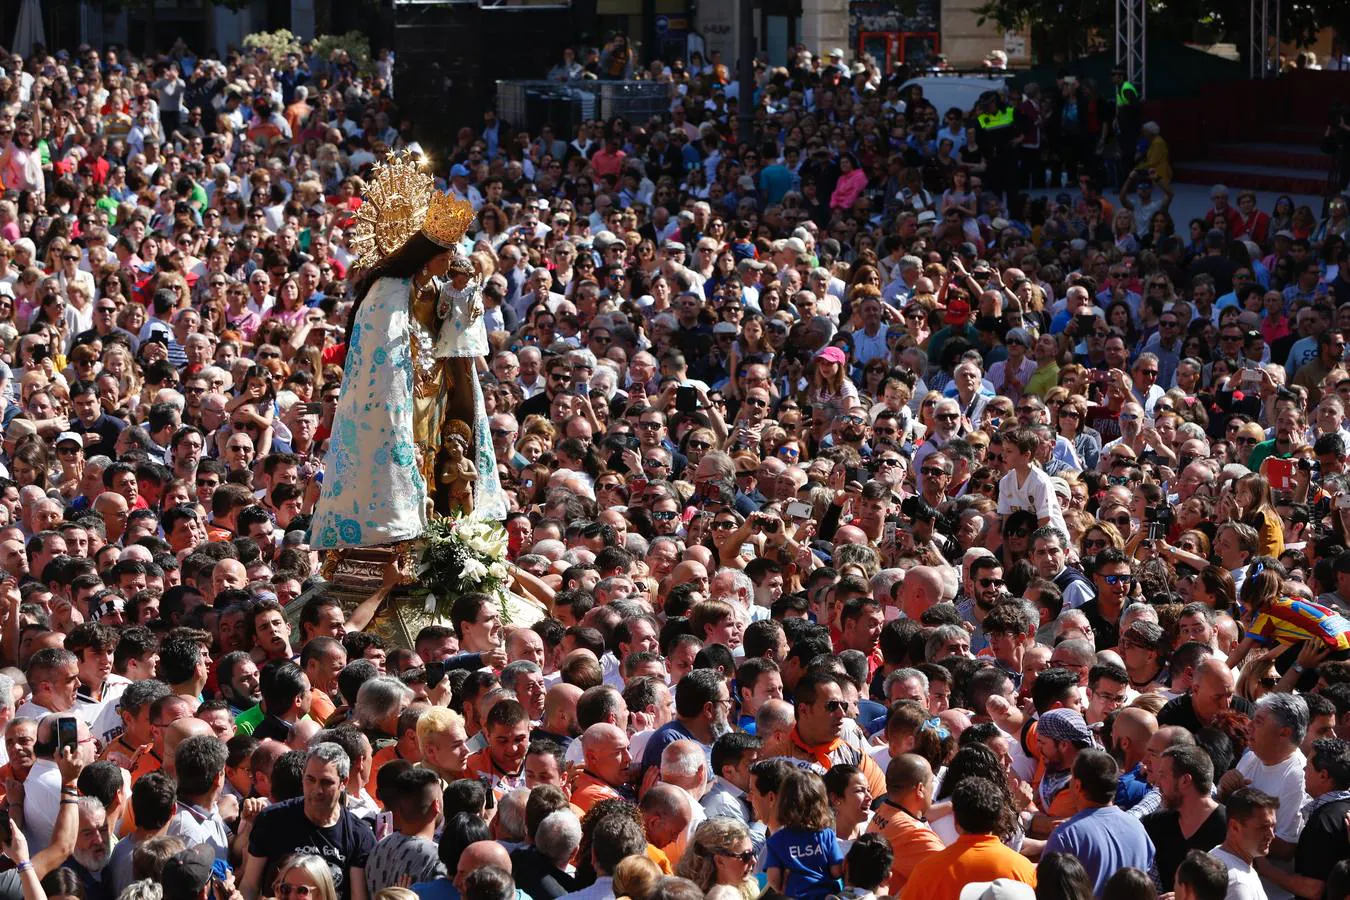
974	761
721	853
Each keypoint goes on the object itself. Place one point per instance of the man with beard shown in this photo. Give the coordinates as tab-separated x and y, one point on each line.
239	685
1190	819
93	849
820	735
1212	693
702	705
983	590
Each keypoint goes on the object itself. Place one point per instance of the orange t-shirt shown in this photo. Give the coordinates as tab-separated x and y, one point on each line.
972	858
321	706
590	790
911	840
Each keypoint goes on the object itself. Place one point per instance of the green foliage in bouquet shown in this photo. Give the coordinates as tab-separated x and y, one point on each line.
460	556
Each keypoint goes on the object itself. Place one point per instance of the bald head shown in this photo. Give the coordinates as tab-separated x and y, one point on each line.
179	731
922	588
689	571
476	856
603	734
1136	723
904	775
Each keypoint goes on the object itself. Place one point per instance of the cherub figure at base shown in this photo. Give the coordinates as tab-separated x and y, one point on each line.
455	471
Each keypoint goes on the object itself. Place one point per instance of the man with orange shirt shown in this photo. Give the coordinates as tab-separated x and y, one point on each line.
163	713
404	748
819	735
977	855
606	766
322	659
507	729
900	818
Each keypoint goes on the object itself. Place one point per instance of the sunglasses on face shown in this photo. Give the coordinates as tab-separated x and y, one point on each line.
1118	580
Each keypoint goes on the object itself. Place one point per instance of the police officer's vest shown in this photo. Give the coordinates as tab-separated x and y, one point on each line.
1001	119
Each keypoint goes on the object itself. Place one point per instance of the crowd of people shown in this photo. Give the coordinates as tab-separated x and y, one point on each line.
904	536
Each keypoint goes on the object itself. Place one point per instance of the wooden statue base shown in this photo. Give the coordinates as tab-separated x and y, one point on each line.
355	574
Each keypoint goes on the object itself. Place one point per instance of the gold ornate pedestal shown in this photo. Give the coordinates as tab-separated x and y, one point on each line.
353	575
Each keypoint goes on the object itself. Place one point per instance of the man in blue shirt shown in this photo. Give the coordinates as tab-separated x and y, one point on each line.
1103	837
702	706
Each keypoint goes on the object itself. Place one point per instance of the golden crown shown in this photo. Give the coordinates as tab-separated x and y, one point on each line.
447	219
393	209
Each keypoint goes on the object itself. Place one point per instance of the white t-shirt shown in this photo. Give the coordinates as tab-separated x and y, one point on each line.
1242	881
1283	781
1036	494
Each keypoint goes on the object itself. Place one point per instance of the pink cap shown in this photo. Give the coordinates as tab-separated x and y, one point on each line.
833	354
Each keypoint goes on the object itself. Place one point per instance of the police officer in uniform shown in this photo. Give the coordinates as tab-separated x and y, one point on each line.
1128	121
1000	134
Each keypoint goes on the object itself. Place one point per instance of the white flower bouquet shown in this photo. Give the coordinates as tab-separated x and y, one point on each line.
461	555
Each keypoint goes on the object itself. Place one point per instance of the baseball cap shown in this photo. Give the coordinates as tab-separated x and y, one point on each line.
1018	336
1061	488
998	889
188	871
69	436
832	354
1065	725
725	328
673	247
836	53
6	290
958	313
459	170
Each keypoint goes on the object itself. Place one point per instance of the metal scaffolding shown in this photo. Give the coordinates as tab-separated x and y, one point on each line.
1132	40
1263	53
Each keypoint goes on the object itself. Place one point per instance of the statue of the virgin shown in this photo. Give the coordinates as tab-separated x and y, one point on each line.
410	382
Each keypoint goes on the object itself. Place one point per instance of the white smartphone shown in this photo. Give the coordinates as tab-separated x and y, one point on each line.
799	510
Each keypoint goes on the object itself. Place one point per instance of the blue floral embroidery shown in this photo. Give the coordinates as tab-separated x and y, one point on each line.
350	531
403	454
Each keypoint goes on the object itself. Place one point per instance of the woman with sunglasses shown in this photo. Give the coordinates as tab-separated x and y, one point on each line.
1102	534
1071	426
721	853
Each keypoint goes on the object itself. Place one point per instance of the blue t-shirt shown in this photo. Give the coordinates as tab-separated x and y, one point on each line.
808	857
662	738
1105	840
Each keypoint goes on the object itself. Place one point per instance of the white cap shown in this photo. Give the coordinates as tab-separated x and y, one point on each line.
69	436
836	52
998	889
